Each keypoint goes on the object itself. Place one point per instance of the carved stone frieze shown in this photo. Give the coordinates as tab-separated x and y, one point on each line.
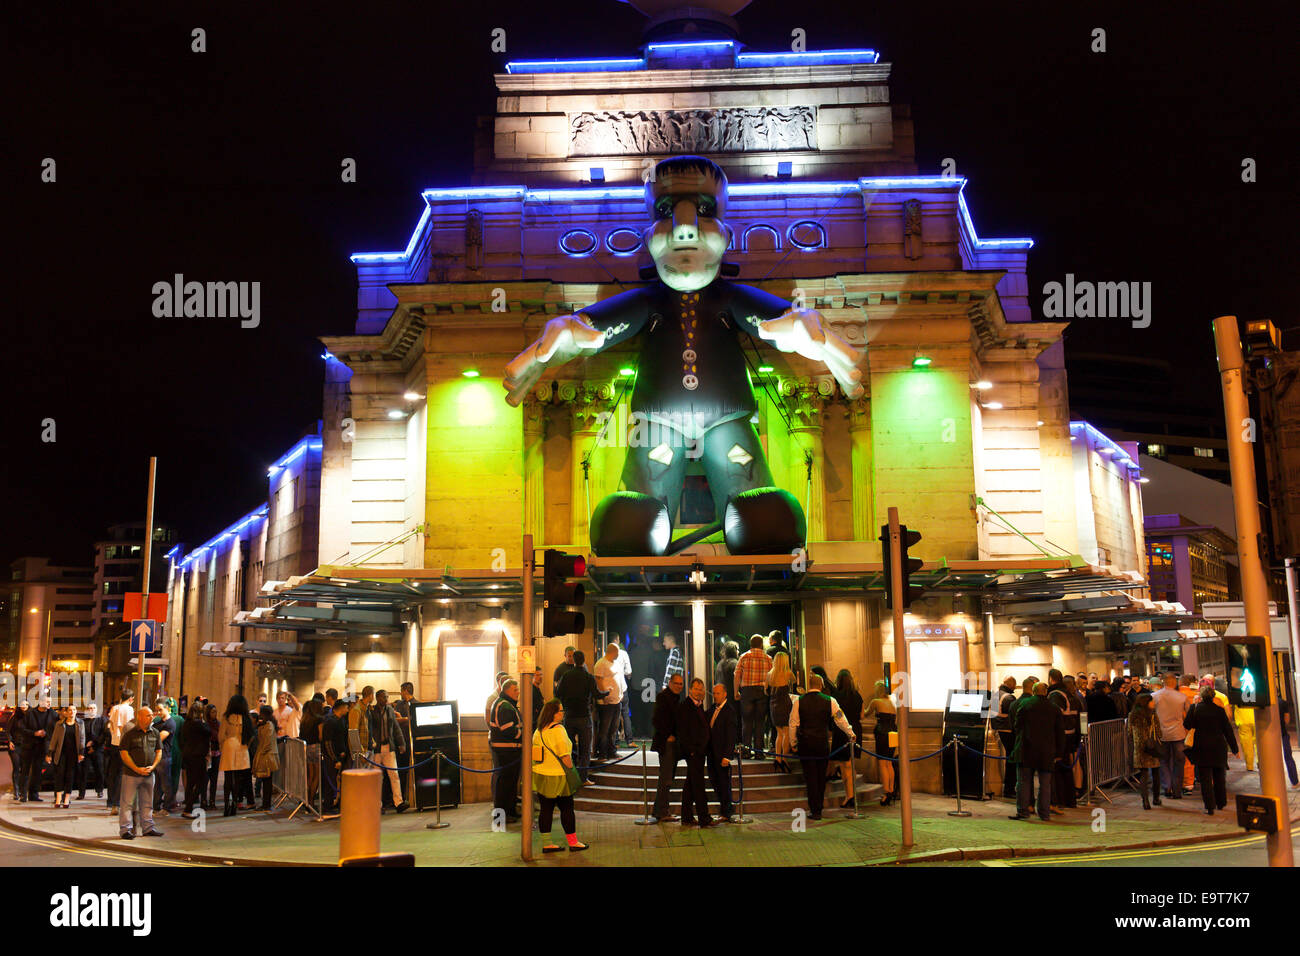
641	132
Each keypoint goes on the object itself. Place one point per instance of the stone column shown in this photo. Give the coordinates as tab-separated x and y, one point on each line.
859	411
805	403
534	409
586	404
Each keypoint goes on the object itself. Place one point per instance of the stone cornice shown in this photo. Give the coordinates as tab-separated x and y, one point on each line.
541	84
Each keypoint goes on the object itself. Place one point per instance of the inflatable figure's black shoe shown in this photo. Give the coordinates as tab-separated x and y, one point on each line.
764	521
630	525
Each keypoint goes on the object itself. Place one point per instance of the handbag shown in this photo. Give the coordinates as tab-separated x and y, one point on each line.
549	785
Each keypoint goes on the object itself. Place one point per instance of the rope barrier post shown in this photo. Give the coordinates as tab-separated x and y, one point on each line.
437	769
740	772
956	769
645	818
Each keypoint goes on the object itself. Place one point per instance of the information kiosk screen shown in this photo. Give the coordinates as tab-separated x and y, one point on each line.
964	702
433	715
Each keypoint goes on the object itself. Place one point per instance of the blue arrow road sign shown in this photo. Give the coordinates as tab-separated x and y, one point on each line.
144	637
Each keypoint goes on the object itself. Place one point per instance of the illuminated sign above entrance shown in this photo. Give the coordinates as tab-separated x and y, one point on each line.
934	631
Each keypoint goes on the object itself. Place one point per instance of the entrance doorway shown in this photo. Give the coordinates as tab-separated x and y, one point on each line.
658	635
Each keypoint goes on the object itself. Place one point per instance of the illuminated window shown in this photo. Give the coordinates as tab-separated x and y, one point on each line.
1157	451
469	675
935	670
1203	452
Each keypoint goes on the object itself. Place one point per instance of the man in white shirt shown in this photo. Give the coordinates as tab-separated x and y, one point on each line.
118	718
1170	705
623	674
607	709
288	716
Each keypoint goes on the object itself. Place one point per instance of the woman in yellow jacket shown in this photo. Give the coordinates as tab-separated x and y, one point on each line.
554	778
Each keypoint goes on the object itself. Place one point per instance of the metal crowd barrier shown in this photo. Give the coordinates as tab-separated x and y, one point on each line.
1109	755
293	776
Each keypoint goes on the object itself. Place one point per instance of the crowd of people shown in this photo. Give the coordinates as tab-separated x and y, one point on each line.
754	709
150	761
1180	733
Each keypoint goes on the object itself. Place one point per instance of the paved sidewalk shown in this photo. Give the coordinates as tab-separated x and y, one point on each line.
771	840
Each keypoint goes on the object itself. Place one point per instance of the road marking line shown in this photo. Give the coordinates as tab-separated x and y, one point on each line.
1136	854
117	855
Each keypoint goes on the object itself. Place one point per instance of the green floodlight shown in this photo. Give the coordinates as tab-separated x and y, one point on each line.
470	373
921	361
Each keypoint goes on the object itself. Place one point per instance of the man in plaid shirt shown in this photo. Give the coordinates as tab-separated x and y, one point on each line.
751	691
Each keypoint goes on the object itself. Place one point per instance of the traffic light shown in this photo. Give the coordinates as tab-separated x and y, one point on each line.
906	540
558	595
1247	668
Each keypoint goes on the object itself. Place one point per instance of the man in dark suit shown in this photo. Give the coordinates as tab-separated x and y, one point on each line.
693	739
1039	729
722	748
665	745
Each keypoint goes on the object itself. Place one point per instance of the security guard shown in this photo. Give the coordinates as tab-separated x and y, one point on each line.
505	737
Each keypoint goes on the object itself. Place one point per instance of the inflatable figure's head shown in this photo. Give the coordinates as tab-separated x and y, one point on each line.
687	198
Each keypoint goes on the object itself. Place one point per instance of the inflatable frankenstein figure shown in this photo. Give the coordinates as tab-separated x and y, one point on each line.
692	386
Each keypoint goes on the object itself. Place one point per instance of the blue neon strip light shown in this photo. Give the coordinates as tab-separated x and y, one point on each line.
167	556
637	193
692	45
813	58
744	60
397	256
232	531
582	194
312	443
575	66
1118	454
295	453
987	243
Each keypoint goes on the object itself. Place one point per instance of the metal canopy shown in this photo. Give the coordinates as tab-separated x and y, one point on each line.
1041	591
279	651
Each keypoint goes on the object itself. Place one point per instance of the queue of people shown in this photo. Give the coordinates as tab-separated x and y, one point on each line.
187	754
1180	732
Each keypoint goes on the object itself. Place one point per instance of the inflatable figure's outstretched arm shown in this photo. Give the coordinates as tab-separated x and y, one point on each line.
562	339
804	332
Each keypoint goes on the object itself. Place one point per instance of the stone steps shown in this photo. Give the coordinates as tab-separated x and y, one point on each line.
620	789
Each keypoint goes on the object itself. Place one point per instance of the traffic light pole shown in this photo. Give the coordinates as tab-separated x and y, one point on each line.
144	583
1254	586
526	706
900	656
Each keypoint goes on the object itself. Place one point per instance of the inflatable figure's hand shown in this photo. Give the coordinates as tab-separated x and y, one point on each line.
802	331
562	338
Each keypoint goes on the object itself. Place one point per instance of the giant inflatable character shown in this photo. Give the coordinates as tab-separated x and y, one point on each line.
692	386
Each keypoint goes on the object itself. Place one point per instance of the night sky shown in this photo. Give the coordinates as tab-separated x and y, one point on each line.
1123	166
